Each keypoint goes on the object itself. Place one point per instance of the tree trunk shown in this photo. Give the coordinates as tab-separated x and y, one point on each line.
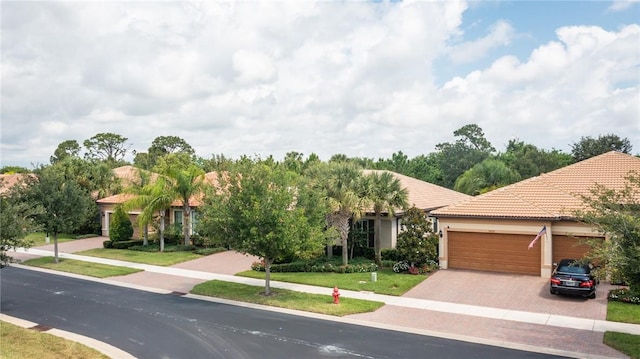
376	238
186	223
145	236
162	231
267	276
55	247
330	251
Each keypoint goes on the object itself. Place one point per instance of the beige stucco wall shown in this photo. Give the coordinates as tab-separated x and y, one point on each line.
526	227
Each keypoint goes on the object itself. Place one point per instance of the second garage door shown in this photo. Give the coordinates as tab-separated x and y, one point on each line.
506	253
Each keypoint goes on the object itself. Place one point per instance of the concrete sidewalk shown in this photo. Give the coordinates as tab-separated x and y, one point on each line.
556	334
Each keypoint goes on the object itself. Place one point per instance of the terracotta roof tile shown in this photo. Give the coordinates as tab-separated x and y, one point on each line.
552	195
9	180
425	195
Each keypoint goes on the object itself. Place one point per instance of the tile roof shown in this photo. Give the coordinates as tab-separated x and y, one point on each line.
552	195
9	180
425	195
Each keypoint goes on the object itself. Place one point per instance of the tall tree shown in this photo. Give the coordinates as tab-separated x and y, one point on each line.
469	149
616	213
342	186
266	211
165	145
68	148
153	198
108	147
486	176
186	183
64	203
16	219
589	147
386	194
137	188
529	161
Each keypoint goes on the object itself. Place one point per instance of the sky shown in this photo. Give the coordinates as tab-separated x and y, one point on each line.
360	78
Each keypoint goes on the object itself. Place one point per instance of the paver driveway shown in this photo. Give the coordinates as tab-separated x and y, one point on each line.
508	291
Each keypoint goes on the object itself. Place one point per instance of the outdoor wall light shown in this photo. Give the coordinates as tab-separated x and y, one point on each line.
440	233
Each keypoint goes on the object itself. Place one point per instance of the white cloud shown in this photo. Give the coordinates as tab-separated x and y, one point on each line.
500	34
620	5
325	77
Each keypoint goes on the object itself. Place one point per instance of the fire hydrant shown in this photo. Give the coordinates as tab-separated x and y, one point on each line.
336	296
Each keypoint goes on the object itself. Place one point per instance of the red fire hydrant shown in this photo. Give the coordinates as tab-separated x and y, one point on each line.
336	296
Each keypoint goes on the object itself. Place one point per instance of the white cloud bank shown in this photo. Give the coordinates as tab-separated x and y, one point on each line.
269	78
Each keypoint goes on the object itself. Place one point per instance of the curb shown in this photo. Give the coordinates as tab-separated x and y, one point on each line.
104	348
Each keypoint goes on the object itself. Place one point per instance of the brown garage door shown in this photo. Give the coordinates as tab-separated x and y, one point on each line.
568	247
494	252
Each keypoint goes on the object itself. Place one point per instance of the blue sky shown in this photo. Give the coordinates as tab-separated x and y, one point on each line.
363	79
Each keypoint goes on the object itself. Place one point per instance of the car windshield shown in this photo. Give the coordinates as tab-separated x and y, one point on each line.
572	269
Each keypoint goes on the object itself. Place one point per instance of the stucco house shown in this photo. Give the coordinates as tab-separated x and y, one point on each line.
423	195
173	215
492	232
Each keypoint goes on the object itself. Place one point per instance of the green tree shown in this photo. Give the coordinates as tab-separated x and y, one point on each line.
63	201
165	145
185	184
342	186
385	193
589	147
16	219
529	161
137	188
68	148
120	227
616	213
13	169
486	176
108	147
416	242
153	198
469	149
266	211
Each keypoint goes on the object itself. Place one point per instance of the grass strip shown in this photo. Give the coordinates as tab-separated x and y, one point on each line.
628	344
623	312
97	270
154	258
388	282
284	298
19	343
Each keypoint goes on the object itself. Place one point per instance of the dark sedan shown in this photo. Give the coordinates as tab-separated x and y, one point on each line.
574	278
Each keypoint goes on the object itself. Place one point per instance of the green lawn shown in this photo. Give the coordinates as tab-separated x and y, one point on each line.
388	282
154	258
39	238
628	344
283	298
19	343
623	312
80	267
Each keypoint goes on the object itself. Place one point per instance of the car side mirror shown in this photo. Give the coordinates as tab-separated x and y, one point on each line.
555	264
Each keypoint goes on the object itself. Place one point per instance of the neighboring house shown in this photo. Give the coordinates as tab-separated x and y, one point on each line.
9	180
492	231
173	215
423	195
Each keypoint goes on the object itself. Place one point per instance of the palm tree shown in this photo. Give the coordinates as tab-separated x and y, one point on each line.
154	199
137	188
386	194
341	183
185	183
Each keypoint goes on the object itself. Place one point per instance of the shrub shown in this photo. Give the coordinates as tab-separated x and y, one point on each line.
317	267
149	248
208	251
120	228
390	254
417	244
127	244
388	263
624	295
107	244
401	266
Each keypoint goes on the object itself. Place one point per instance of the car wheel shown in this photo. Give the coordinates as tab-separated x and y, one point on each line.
552	291
593	295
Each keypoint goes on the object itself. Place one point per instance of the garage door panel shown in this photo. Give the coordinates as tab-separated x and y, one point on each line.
568	247
493	252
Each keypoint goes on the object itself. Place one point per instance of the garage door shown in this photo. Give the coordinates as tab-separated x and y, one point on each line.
493	252
568	247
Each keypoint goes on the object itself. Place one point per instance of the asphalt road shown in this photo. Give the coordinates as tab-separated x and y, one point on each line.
149	325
